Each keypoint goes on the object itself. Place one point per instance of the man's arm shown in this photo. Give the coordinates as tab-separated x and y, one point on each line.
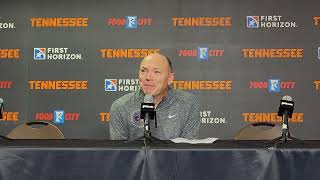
192	124
117	125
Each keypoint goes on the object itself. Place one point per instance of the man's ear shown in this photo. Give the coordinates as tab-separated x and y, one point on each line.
170	78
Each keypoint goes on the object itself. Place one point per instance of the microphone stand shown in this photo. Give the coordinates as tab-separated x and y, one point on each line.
147	115
285	130
147	130
1	110
1	116
285	111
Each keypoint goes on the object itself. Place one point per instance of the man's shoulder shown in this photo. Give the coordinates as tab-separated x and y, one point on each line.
124	100
185	96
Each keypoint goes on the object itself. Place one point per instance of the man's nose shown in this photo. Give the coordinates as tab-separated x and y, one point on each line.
149	76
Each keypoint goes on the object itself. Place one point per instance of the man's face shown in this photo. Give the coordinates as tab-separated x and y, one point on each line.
155	75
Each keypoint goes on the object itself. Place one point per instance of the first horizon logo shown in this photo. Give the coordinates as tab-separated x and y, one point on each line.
274	21
6	25
121	85
208	117
55	54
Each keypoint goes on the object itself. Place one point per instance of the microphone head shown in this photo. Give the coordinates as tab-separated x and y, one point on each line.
148	98
286	106
287	98
1	108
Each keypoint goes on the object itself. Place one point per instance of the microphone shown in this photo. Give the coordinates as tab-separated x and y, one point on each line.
1	108
285	110
148	98
1	116
147	112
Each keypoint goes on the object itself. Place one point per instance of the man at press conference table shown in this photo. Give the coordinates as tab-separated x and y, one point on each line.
177	111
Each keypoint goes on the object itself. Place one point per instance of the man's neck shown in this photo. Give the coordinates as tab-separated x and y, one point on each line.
159	98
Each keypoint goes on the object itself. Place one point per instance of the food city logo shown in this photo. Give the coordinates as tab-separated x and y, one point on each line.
223	85
253	117
6	84
104	116
42	22
4	24
272	54
127	53
9	54
63	85
201	21
130	22
121	85
207	117
10	116
274	21
202	53
55	54
273	85
57	116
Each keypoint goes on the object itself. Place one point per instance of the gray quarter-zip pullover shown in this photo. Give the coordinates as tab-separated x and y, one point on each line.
177	116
